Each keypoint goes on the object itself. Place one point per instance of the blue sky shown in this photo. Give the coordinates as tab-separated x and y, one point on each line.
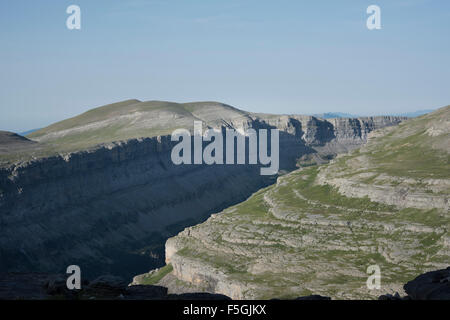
268	56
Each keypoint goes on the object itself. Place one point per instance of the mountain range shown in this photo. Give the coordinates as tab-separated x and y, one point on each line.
331	115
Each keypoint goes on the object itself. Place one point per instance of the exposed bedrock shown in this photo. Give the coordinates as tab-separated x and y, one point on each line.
110	209
310	233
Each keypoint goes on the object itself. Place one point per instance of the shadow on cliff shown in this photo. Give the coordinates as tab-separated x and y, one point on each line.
111	209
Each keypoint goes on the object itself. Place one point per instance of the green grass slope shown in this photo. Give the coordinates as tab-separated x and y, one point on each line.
119	122
302	237
126	120
418	148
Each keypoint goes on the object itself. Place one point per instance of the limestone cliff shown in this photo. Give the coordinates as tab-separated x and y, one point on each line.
319	228
99	190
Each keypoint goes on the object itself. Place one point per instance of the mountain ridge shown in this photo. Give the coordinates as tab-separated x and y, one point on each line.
134	119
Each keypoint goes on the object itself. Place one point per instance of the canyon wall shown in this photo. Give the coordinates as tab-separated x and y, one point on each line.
319	228
110	209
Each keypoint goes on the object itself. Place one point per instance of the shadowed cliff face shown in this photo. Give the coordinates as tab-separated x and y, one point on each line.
109	208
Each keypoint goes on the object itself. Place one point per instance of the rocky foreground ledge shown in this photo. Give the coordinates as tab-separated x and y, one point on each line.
41	286
433	285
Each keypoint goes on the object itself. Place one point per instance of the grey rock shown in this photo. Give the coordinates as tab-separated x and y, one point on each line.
395	296
23	286
56	285
143	292
434	285
295	235
106	286
107	203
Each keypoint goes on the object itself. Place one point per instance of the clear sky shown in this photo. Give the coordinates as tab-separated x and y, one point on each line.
268	56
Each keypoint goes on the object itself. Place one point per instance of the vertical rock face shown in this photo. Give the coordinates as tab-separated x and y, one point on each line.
111	208
97	209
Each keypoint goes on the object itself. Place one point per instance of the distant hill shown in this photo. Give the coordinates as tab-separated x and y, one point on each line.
11	142
28	132
414	114
332	115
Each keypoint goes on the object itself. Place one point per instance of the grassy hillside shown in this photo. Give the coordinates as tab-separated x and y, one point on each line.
411	162
121	121
302	237
125	120
418	148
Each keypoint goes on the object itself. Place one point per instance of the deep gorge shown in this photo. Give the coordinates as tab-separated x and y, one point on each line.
111	209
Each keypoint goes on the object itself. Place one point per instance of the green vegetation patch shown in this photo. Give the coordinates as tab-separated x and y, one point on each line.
155	277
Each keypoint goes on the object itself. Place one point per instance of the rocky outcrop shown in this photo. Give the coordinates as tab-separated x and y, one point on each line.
42	286
407	167
208	278
308	233
295	236
434	285
401	196
110	208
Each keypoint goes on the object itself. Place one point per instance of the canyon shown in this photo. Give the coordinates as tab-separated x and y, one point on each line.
100	191
319	228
